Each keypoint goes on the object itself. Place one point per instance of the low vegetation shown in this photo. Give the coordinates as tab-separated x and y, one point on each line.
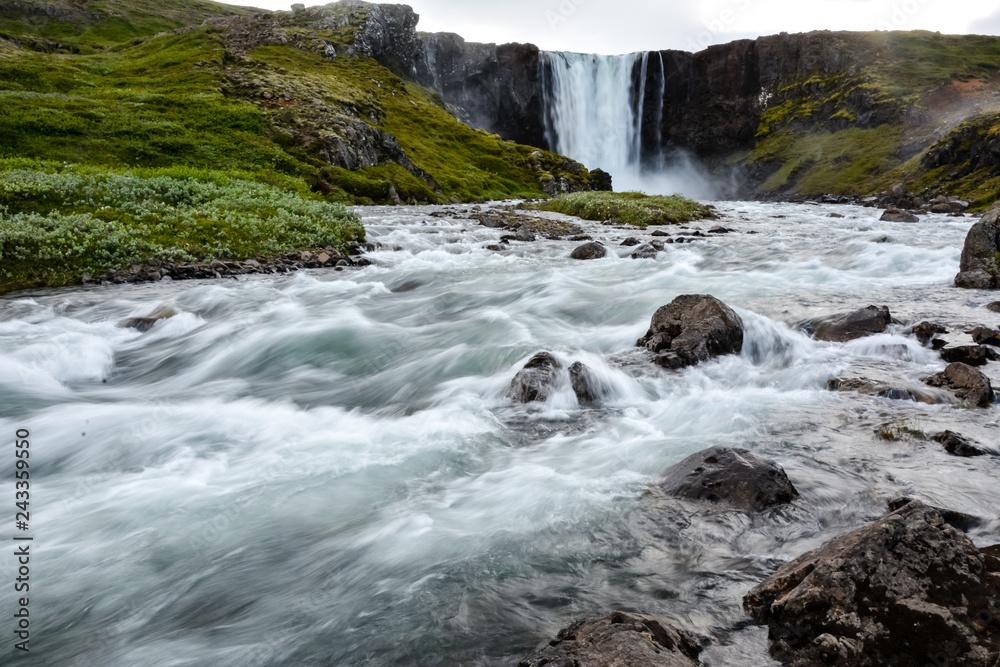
60	223
632	208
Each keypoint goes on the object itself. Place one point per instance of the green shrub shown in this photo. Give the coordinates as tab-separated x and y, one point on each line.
56	225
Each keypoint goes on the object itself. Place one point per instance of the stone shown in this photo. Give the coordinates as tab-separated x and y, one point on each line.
730	475
969	384
957	445
323	258
542	376
981	252
660	233
994	307
144	324
692	329
869	388
394	196
645	251
600	181
865	322
621	639
908	589
973	355
985	336
926	331
899	190
835	215
898	215
631	241
719	229
592	250
941	208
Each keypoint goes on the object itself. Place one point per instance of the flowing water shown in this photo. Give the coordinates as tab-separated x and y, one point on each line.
322	469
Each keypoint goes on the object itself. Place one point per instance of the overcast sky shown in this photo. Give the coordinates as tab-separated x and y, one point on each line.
621	26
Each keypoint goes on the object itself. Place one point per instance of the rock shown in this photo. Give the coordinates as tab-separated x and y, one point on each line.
631	241
541	376
693	328
731	475
972	355
985	336
619	640
870	388
981	252
898	215
941	208
995	306
600	181
584	383
524	234
835	215
957	445
719	229
536	381
899	190
592	250
909	589
645	251
968	384
660	233
925	331
144	324
865	322
394	196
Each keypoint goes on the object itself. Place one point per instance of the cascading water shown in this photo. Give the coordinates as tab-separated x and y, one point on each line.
594	108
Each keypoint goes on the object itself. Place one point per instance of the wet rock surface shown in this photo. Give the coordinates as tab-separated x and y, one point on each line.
985	336
979	256
958	445
872	388
619	640
541	377
144	324
587	251
730	475
865	322
898	215
969	384
692	329
973	355
909	589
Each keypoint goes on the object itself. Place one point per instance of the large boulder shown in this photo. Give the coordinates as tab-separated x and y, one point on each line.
865	322
593	250
986	336
730	475
973	355
544	374
969	384
618	640
691	329
908	590
981	253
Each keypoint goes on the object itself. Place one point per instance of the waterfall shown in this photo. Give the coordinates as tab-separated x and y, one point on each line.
593	112
589	114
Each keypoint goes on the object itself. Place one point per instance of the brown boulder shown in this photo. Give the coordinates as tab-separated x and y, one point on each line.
865	322
979	256
618	640
968	383
730	475
909	589
691	329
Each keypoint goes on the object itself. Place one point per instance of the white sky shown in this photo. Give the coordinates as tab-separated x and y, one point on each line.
620	26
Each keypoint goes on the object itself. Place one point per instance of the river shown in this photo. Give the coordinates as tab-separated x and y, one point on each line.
322	469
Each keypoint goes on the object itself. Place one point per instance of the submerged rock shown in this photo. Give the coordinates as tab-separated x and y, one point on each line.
592	250
618	640
981	252
731	475
865	322
898	215
645	251
957	445
691	329
968	384
144	324
909	589
871	388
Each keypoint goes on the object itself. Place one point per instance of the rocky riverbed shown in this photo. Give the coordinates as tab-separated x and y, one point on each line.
479	450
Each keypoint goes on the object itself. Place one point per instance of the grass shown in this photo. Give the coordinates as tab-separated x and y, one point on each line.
59	223
633	208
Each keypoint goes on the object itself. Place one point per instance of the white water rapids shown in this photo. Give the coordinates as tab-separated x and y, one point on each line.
322	469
